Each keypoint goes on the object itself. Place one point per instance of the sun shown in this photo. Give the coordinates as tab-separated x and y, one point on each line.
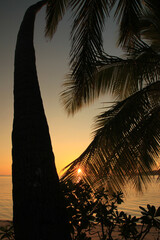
79	171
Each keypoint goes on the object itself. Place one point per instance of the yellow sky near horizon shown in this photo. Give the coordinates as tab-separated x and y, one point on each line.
70	135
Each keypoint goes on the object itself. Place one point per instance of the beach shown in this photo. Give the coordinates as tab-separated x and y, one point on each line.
152	235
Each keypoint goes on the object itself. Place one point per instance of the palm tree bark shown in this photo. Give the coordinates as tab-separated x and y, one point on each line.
38	207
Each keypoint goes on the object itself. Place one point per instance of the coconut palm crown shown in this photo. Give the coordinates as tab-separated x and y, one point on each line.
126	139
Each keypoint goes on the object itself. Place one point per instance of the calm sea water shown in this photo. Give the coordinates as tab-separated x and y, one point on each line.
6	198
131	202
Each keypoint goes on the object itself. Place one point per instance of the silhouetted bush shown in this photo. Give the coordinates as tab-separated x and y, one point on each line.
94	213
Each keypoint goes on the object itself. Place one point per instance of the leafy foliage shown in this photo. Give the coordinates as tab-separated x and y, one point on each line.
79	202
128	13
127	136
54	13
7	232
95	213
120	76
151	216
126	143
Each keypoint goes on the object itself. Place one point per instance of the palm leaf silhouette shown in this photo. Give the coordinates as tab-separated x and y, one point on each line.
125	144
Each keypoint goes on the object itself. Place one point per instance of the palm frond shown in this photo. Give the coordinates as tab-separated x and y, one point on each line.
120	77
54	13
86	36
123	77
150	24
128	14
153	6
126	143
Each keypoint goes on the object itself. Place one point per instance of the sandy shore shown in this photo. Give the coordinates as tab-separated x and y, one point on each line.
152	235
4	223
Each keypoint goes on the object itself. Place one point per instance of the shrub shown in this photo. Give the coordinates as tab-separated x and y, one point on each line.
93	213
88	208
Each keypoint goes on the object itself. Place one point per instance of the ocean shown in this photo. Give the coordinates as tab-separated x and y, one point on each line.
131	203
6	198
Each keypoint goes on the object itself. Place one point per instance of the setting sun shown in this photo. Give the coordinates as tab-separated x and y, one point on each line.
79	171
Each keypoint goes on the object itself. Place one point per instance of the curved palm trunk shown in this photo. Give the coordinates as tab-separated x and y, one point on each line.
38	207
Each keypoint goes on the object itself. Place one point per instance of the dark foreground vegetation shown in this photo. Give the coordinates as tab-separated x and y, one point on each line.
94	214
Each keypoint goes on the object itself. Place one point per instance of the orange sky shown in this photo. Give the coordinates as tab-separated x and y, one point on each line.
70	136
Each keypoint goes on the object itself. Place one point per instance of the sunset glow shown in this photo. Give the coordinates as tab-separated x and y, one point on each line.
70	136
79	171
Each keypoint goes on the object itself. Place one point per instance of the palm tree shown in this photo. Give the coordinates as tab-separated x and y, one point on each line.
38	205
116	153
125	144
126	141
89	18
